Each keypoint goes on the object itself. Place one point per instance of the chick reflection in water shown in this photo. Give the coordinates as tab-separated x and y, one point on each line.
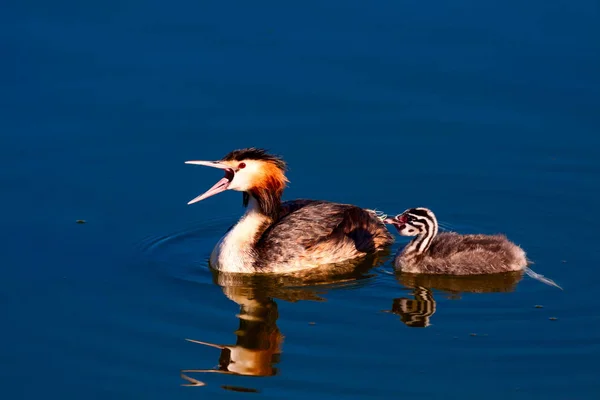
416	312
259	341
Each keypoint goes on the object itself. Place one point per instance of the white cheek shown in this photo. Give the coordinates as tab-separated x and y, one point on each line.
408	231
243	179
240	182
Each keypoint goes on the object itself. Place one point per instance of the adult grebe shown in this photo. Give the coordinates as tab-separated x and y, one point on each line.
454	254
276	237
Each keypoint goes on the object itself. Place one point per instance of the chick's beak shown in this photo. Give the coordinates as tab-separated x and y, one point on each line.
218	187
397	222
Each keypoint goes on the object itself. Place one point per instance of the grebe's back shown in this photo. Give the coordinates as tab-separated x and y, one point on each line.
320	233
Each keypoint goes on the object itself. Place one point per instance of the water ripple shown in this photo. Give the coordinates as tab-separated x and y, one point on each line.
183	254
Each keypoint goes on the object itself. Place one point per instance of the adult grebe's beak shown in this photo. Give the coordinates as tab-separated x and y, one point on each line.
218	187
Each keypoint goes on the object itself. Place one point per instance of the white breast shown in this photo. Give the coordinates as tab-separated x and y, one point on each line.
235	251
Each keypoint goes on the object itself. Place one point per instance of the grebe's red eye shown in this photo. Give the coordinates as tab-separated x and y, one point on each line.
242	165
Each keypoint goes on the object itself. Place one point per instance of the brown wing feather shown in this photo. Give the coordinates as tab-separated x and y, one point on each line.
288	207
367	232
321	231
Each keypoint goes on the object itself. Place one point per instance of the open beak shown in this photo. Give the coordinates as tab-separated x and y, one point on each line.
394	221
218	187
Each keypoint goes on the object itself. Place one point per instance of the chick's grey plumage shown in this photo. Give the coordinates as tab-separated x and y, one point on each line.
454	254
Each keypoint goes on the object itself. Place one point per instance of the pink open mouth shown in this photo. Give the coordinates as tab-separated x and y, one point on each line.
218	187
398	222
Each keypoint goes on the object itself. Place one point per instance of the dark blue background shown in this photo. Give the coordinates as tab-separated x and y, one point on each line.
487	112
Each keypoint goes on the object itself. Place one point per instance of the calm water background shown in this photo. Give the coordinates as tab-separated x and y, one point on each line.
487	112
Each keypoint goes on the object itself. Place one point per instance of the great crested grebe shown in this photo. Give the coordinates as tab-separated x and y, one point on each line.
449	252
276	237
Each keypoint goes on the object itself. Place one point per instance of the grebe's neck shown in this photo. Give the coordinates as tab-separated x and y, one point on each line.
268	202
419	245
236	251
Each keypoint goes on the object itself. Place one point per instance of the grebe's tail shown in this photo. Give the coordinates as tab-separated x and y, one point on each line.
541	278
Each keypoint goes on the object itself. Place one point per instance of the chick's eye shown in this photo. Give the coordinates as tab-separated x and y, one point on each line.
241	165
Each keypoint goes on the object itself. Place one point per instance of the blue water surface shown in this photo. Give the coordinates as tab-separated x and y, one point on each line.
486	112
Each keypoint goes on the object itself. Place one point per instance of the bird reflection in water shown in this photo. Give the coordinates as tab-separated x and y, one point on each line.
258	344
259	341
417	312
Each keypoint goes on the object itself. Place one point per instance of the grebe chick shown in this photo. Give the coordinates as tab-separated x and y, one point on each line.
451	253
276	237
